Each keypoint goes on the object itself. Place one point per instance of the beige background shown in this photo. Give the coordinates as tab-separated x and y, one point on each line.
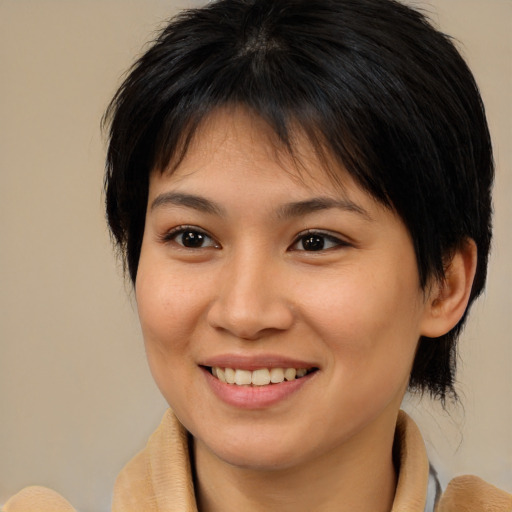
76	398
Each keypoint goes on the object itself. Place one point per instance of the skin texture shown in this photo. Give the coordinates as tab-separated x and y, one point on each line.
354	311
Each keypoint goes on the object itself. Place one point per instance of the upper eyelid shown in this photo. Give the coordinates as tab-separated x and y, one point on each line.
184	227
337	238
322	232
174	232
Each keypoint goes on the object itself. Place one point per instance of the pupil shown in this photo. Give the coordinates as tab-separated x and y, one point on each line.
192	239
313	243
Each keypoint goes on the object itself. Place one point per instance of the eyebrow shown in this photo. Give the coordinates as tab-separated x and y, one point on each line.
188	200
286	211
300	208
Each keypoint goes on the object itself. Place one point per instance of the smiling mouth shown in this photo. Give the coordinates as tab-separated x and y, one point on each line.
260	377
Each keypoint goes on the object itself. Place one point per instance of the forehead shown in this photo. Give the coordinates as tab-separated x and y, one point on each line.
239	142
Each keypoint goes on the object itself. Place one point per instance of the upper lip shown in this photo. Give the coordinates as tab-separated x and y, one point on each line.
255	362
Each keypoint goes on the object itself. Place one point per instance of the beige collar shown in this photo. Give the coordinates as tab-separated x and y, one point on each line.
409	448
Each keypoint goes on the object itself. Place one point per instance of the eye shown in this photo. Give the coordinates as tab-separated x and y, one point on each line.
316	241
190	237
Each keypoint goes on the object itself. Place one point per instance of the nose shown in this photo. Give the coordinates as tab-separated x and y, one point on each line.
251	299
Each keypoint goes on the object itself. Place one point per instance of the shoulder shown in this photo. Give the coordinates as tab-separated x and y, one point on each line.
37	499
472	494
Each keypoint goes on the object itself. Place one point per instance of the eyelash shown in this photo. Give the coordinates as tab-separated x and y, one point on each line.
321	237
171	235
312	233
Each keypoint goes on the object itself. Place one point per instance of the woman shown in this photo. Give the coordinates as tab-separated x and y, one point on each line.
301	193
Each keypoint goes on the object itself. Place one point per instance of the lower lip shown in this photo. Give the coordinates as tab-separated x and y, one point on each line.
254	397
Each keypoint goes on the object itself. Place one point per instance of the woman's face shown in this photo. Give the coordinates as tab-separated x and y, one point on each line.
247	266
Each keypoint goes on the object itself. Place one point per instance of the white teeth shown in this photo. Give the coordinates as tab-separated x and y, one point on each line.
289	373
230	375
276	375
243	377
220	374
260	377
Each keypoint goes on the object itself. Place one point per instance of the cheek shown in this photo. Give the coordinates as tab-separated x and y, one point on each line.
351	306
169	309
167	316
370	324
166	302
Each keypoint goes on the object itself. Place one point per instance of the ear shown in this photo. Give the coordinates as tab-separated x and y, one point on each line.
448	298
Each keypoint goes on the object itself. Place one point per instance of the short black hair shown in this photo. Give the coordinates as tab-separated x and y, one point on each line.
371	81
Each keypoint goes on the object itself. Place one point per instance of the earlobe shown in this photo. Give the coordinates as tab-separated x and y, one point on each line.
449	297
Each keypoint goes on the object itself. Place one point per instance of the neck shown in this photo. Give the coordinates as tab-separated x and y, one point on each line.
358	476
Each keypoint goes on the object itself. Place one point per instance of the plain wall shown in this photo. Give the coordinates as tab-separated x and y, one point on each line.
76	397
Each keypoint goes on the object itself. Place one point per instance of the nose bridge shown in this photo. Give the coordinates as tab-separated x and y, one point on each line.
251	297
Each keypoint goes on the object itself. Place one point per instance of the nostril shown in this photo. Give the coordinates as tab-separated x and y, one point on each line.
249	304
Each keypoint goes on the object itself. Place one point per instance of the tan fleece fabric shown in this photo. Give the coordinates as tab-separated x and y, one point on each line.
37	499
472	494
159	479
411	489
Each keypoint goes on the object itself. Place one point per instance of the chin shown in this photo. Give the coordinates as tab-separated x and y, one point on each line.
258	459
256	453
